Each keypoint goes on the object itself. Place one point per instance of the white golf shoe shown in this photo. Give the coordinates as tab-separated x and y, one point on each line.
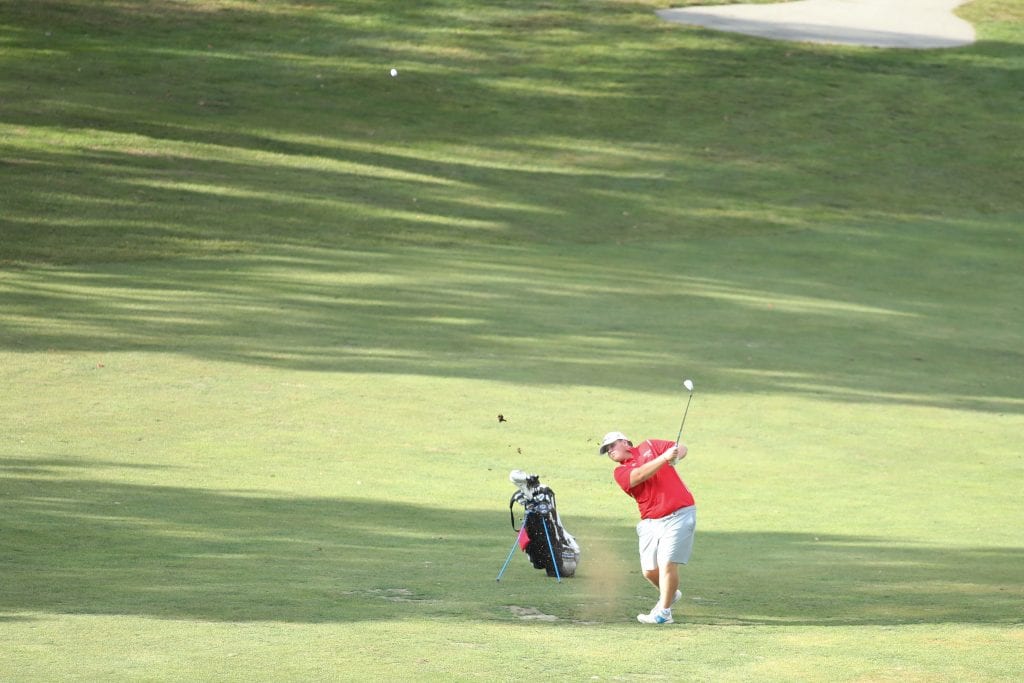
656	616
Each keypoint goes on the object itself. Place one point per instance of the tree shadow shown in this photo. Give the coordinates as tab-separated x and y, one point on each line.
345	237
502	316
81	546
54	466
194	103
804	578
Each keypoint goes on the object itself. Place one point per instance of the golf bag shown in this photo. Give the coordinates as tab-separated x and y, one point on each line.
541	532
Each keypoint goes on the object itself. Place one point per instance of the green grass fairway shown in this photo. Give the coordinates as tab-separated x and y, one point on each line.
261	304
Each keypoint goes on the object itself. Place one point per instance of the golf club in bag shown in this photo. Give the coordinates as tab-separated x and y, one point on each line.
541	534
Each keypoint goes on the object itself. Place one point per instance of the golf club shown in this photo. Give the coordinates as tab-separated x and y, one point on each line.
688	385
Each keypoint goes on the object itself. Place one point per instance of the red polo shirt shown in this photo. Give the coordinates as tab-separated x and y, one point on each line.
662	494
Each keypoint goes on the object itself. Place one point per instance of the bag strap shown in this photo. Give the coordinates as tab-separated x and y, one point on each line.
512	515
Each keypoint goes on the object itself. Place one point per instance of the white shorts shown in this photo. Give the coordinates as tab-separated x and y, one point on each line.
667	539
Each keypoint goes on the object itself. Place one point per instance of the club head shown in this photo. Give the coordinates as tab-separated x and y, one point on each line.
688	383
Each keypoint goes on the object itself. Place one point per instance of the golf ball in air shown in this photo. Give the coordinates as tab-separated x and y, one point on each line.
394	72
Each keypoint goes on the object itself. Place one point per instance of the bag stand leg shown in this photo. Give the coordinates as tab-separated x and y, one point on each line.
515	544
547	537
551	550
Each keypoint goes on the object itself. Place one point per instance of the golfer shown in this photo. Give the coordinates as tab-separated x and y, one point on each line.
668	516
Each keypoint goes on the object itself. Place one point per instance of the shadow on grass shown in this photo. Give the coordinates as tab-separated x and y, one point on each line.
263	148
79	546
52	466
791	578
150	130
526	316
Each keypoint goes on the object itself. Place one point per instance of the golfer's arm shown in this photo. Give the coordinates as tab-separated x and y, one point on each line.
647	470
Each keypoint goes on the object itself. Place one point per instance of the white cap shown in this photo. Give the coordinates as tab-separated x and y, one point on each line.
610	438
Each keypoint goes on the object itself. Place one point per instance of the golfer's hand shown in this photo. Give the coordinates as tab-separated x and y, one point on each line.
677	453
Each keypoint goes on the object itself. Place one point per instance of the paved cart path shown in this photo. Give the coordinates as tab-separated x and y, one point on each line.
919	24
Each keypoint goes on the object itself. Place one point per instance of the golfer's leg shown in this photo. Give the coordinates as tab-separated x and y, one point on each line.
647	532
675	549
668	583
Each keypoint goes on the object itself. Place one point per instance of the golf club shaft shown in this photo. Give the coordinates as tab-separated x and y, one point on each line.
680	434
